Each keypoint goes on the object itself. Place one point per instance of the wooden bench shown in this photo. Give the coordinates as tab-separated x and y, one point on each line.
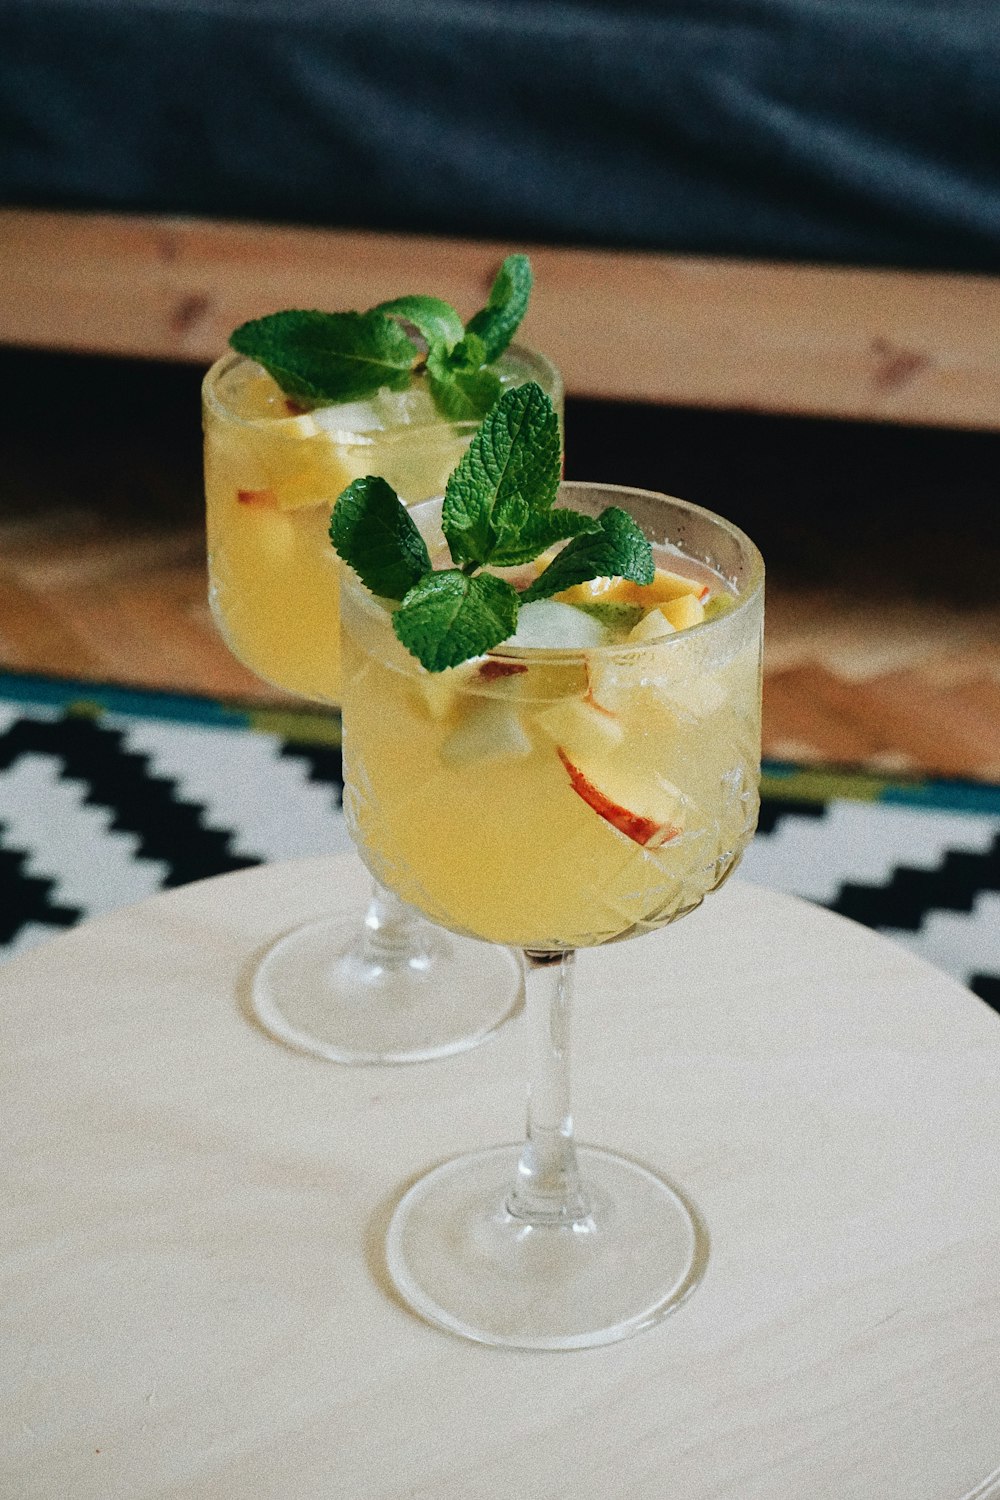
879	345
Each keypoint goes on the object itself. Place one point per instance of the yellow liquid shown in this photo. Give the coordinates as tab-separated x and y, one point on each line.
272	476
472	794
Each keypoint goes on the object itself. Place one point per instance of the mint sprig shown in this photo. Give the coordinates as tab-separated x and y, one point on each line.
509	473
448	617
348	356
322	356
506	305
436	321
371	529
617	549
462	387
498	511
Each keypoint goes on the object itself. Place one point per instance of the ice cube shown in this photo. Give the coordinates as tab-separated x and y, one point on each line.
412	407
547	623
348	418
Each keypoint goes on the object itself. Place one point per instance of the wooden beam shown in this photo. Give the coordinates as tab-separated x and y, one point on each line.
897	346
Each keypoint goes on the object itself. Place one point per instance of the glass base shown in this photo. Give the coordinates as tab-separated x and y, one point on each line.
325	989
461	1260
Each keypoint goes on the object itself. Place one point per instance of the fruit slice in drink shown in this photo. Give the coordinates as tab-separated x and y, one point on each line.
573	793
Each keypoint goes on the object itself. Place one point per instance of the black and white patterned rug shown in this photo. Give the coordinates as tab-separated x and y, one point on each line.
109	795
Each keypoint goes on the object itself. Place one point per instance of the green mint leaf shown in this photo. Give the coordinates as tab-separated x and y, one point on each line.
539	533
329	356
449	617
462	388
437	321
375	534
510	470
507	304
618	550
468	355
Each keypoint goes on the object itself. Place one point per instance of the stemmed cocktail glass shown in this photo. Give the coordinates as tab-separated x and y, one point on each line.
394	989
620	788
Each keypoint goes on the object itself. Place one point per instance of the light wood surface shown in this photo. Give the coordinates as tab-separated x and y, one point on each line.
881	345
193	1293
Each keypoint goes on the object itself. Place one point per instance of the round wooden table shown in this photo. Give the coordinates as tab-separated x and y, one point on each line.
193	1294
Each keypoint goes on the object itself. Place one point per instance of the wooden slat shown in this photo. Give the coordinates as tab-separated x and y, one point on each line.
896	346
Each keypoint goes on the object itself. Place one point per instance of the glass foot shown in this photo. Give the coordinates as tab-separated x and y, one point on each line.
407	996
463	1261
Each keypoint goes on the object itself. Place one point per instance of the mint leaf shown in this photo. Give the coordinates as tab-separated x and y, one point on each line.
449	617
375	534
510	470
539	533
437	321
329	356
507	304
462	388
618	550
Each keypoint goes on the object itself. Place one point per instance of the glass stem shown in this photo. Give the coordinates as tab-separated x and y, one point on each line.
393	933
547	1189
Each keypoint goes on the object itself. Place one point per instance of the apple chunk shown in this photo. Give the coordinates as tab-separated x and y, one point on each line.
580	728
650	816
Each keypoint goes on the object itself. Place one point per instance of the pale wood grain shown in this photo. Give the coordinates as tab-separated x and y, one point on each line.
192	1280
881	345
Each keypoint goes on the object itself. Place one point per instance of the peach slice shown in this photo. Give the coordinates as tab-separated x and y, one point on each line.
667	586
684	612
664	587
664	619
650	816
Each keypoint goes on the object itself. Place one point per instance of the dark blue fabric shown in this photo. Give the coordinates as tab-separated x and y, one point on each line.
863	132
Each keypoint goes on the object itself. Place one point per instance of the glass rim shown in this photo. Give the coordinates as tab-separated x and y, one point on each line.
568	655
362	437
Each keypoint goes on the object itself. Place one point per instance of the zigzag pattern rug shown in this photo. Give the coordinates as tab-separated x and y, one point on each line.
109	795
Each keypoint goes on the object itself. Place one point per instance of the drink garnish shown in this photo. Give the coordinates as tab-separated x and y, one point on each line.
348	356
499	511
497	323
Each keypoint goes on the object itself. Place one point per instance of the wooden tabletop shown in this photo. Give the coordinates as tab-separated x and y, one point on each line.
192	1291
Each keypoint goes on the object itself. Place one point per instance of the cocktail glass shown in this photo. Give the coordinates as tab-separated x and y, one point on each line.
392	989
555	799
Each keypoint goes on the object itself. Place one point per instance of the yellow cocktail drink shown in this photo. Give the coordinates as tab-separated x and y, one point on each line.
553	797
272	473
551	740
